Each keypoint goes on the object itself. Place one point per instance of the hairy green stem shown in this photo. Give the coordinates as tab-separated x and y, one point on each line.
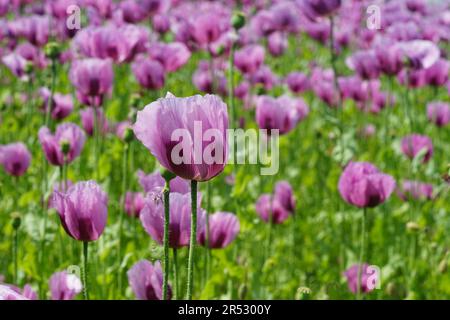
85	270
190	278
175	273
166	239
361	254
122	211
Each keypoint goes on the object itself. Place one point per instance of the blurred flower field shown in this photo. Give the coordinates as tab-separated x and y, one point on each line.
350	99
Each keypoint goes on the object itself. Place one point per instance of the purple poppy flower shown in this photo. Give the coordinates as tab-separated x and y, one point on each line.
161	23
223	229
132	11
92	78
153	7
134	203
242	90
62	105
297	82
32	54
363	185
102	42
323	86
282	113
265	77
277	44
389	58
415	78
414	144
437	74
365	64
419	6
314	9
59	187
88	119
102	8
17	64
52	144
285	195
439	113
156	127
262	23
15	158
269	208
152	218
83	210
354	88
156	181
403	30
6	293
64	286
319	31
35	29
285	17
121	127
206	28
149	73
203	81
146	280
415	190
58	8
249	58
171	55
421	54
4	7
368	278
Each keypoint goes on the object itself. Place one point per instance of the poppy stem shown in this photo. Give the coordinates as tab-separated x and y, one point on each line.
361	254
175	272
339	107
207	235
192	240
231	102
15	246
96	134
85	270
166	239
122	215
49	106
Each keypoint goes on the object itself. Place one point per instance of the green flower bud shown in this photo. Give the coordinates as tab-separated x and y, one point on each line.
303	293
238	20
52	50
16	220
